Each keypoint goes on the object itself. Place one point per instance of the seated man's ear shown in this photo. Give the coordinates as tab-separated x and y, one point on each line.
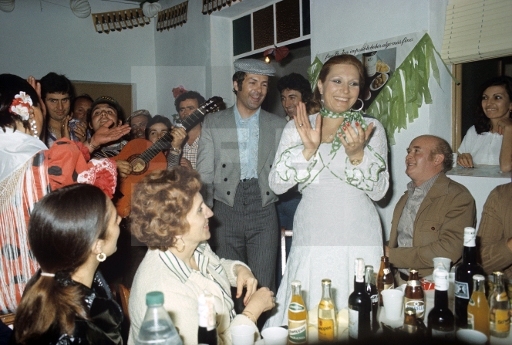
438	159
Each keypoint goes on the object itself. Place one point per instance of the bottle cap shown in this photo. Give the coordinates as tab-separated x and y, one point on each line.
297	283
441	280
326	281
154	298
478	277
469	237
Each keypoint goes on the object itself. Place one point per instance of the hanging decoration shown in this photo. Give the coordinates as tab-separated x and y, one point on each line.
6	5
117	21
80	8
151	8
279	53
210	6
172	17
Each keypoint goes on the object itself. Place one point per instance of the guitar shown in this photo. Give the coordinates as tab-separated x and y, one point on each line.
144	156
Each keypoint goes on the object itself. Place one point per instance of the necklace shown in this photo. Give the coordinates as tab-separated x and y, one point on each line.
348	116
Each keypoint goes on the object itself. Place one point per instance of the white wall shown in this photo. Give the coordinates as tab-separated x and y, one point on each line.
35	42
198	55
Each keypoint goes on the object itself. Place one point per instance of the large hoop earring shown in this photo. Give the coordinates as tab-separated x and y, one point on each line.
362	105
180	250
101	257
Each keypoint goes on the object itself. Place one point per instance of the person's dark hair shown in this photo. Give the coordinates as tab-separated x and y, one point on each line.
62	230
188	95
10	86
56	83
239	78
344	59
158	119
82	96
295	81
160	203
442	147
482	122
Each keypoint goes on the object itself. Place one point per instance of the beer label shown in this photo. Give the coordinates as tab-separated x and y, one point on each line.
386	271
297	332
438	334
295	307
502	320
416	304
461	290
502	297
325	329
389	286
353	324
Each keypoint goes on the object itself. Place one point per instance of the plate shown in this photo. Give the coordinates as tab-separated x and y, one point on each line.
382	67
379	81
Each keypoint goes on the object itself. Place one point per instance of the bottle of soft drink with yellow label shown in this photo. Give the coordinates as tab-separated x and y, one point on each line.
499	307
327	326
297	317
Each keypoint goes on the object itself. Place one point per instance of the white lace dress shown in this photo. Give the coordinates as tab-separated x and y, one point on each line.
336	220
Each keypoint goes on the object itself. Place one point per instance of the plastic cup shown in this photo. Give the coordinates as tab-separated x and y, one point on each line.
445	262
471	336
242	335
275	336
393	300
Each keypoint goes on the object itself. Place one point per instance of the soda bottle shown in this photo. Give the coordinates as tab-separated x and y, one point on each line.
297	317
371	289
441	322
157	326
359	306
385	278
464	277
414	296
206	330
478	308
499	307
327	325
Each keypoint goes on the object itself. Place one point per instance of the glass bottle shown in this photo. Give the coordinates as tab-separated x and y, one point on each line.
385	278
410	326
359	306
478	308
157	326
499	307
441	322
327	326
464	277
297	317
206	331
371	290
414	297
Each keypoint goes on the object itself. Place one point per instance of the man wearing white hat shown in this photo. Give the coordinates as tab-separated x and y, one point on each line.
236	151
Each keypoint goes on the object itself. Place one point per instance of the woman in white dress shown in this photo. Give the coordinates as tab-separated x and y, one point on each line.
339	160
489	141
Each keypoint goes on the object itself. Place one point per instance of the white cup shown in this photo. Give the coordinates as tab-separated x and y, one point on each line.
275	336
242	335
393	300
454	157
471	336
445	262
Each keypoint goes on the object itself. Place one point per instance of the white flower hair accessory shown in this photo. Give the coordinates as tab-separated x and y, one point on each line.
21	105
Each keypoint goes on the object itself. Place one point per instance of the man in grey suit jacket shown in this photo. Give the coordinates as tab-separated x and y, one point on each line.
429	219
236	151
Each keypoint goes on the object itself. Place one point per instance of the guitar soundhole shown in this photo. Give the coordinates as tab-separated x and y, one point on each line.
138	165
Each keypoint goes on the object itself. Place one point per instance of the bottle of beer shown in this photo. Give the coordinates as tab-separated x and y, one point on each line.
371	290
327	325
359	306
206	331
478	308
414	296
464	277
385	278
441	322
297	317
499	306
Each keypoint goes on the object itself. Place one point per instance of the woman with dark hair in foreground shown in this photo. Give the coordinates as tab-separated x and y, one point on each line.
67	301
